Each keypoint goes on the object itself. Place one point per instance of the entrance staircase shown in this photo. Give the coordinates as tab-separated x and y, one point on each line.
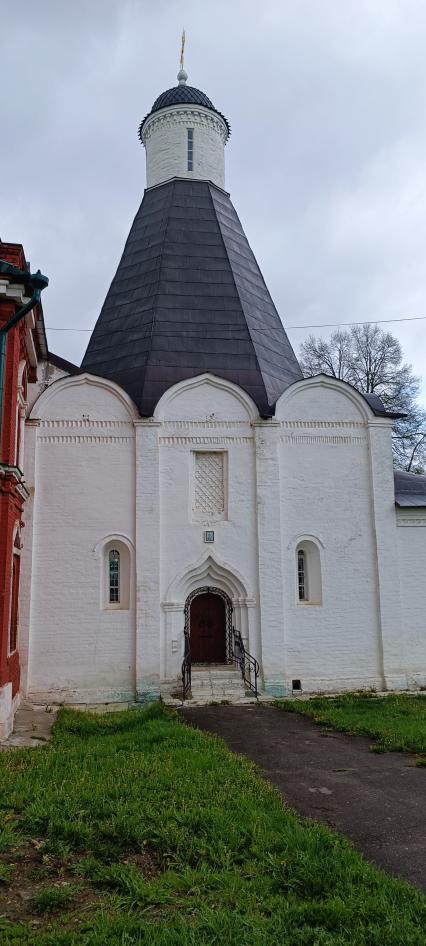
214	683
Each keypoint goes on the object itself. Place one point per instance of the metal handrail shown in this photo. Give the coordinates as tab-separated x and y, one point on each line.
246	662
186	667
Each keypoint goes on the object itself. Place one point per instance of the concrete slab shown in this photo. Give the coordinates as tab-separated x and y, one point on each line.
32	727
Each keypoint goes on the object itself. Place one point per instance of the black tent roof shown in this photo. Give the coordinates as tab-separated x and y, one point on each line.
187	298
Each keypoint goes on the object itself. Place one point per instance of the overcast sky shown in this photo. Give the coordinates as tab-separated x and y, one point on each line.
326	162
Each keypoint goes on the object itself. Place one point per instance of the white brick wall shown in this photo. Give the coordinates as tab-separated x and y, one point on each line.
411	534
84	491
165	140
321	470
326	494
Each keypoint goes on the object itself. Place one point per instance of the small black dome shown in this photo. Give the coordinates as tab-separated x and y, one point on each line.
183	95
180	94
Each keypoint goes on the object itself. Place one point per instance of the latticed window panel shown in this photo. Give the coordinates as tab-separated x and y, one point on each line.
209	487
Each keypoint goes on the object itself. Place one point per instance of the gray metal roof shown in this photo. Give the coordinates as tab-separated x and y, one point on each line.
410	489
188	297
378	407
63	364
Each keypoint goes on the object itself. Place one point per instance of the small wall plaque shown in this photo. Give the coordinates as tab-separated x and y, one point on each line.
209	535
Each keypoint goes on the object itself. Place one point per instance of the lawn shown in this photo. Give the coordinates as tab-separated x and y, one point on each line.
397	722
133	829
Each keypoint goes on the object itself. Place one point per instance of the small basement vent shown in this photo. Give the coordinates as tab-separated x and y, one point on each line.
296	684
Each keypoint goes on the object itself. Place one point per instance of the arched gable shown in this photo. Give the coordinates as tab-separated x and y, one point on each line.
84	395
320	398
205	397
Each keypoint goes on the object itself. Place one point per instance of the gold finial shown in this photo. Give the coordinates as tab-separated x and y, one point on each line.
182	49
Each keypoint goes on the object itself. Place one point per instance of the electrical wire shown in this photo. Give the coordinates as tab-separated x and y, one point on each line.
414	318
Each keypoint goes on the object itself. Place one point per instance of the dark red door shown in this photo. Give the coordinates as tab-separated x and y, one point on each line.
207	623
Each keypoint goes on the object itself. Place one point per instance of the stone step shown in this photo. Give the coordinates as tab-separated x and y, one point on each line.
205	684
214	684
203	675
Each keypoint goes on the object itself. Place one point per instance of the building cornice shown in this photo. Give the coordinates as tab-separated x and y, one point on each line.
14	475
180	115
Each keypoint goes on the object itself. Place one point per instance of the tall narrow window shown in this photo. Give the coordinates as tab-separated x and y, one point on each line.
190	132
13	626
301	575
114	576
308	573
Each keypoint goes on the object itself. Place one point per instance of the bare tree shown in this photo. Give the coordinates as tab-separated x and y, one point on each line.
331	357
372	361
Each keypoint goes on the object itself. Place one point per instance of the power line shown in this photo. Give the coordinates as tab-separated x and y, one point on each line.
414	318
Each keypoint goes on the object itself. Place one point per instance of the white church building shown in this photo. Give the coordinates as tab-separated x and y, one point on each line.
191	493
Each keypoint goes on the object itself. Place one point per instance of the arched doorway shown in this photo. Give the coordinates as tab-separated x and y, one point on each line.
208	619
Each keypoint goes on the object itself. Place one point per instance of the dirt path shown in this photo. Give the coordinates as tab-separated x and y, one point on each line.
377	800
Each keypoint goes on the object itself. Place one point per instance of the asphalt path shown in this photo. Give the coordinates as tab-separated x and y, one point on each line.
376	800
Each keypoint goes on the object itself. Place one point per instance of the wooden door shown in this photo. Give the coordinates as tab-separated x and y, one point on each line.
207	621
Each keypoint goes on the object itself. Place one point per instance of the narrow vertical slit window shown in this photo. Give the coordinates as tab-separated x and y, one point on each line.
13	626
190	141
114	576
301	575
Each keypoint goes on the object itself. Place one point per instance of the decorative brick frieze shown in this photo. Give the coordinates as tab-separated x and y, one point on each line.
83	439
334	440
87	422
174	441
185	115
322	423
205	424
411	521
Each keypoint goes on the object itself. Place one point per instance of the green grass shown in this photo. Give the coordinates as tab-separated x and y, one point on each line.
160	836
397	722
52	899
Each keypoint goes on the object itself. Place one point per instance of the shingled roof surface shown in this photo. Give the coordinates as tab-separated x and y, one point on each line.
410	489
187	298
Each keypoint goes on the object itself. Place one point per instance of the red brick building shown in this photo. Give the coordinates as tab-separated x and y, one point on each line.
26	345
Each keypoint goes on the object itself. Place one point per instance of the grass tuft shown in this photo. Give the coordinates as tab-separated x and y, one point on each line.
52	899
398	722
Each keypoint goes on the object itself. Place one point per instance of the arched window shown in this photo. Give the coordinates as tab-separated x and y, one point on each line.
308	573
116	573
301	575
114	576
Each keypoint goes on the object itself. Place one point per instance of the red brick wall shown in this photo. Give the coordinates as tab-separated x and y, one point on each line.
11	501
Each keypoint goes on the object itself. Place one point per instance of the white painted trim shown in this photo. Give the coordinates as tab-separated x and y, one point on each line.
207	570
